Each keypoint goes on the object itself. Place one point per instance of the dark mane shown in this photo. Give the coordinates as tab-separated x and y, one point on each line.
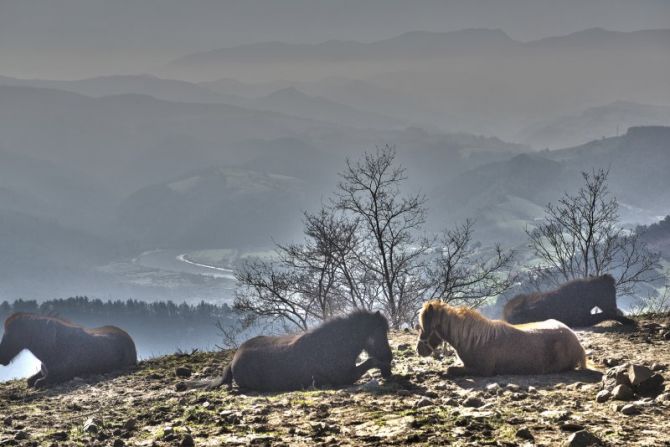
32	316
359	317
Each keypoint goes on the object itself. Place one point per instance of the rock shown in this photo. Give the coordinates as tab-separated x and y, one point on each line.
404	347
524	433
612	362
603	396
183	371
571	427
21	435
473	402
666	336
493	387
622	392
513	387
638	374
187	441
92	425
180	386
657	367
621	376
665	397
630	409
370	385
130	424
8	421
118	443
532	390
653	386
583	438
59	436
424	402
168	431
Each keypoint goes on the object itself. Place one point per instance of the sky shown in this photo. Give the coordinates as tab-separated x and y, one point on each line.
67	39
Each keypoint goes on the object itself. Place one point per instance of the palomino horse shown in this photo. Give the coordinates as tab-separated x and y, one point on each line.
489	347
66	350
323	356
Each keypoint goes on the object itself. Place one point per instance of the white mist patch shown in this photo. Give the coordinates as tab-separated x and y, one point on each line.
25	364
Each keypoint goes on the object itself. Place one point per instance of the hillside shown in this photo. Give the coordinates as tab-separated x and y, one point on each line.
418	406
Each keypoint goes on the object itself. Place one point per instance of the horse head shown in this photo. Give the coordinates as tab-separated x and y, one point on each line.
430	337
377	343
13	341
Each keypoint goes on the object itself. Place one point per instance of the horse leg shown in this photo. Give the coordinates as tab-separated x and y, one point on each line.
459	371
53	377
372	363
34	378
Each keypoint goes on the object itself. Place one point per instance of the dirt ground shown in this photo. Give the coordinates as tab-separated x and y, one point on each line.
420	405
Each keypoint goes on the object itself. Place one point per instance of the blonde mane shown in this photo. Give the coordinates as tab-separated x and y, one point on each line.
467	325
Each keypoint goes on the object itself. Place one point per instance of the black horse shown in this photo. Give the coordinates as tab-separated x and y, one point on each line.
324	356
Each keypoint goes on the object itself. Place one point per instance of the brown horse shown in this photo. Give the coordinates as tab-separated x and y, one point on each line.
489	347
322	356
574	303
66	350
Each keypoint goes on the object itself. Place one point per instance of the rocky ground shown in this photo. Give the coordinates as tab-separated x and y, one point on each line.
420	405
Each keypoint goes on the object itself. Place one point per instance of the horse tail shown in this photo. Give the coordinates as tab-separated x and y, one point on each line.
225	379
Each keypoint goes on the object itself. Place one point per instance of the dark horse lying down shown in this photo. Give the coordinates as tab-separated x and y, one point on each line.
66	350
325	355
572	304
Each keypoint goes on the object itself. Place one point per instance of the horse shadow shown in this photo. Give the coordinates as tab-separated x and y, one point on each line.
21	392
523	382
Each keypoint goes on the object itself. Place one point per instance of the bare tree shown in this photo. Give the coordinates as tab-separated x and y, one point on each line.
388	250
463	274
581	237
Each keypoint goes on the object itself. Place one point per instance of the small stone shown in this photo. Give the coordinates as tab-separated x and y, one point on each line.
180	386
130	424
21	435
91	425
8	421
571	427
187	441
370	385
59	436
167	431
423	402
665	397
622	392
404	347
603	396
183	371
638	374
524	433
666	336
493	387
473	402
583	438
118	443
532	390
630	409
513	387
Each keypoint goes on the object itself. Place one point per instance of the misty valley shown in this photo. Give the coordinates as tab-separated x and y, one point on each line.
334	223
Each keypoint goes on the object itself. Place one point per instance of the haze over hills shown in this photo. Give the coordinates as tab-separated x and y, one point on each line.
594	123
449	76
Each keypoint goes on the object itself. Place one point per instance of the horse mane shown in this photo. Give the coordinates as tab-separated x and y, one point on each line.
31	316
468	325
358	316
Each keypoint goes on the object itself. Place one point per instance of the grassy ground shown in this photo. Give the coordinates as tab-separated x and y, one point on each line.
420	405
